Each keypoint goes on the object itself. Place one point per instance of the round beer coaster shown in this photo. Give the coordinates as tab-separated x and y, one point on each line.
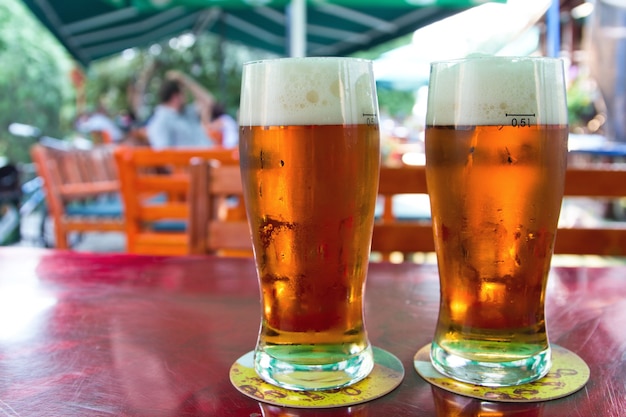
568	374
387	374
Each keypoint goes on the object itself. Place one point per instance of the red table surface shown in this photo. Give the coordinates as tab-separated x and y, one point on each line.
123	335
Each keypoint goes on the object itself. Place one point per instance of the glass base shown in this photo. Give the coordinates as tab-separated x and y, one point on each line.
305	377
491	374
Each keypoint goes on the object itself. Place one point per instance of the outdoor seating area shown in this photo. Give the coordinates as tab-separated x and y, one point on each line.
178	202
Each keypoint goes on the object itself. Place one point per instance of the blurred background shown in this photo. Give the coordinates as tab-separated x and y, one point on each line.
61	61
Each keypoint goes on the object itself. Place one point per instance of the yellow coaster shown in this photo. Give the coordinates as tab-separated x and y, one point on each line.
387	374
568	374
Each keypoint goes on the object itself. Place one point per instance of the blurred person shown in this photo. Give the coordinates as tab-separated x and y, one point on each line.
100	122
175	123
222	128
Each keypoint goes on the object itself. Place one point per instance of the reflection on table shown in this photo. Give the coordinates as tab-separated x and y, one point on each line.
121	335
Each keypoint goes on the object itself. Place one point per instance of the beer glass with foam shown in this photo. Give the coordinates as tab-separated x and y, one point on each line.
310	155
496	147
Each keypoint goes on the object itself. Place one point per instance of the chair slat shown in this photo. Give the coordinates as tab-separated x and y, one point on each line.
591	241
147	157
164	211
163	183
592	182
230	235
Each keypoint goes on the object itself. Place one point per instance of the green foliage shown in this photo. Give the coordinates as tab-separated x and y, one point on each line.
395	103
215	65
580	105
34	87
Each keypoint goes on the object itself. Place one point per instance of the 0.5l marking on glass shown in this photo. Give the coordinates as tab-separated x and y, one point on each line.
521	119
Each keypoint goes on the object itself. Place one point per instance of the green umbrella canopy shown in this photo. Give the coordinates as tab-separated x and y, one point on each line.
95	29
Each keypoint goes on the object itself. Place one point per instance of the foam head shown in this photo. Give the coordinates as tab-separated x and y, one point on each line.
308	91
489	90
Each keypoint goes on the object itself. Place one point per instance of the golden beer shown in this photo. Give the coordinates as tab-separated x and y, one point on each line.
310	192
495	200
311	242
495	192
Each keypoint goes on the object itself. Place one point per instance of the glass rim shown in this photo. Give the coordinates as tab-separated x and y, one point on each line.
308	58
499	58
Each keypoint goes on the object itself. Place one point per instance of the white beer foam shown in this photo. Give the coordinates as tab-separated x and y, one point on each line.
306	91
495	90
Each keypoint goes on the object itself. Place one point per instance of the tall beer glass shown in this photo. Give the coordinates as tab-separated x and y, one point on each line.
496	148
310	155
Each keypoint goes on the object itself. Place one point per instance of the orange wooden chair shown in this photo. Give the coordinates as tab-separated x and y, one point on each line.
217	220
81	190
155	188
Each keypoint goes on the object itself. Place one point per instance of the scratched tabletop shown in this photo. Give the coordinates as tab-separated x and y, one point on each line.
123	335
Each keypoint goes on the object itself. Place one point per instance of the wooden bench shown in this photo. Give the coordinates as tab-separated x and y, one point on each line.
211	231
400	232
155	187
410	236
607	238
391	232
81	190
217	220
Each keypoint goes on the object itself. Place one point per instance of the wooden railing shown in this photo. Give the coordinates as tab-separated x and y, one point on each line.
409	236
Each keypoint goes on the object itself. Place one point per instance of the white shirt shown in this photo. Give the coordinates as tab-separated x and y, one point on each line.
230	131
100	122
168	128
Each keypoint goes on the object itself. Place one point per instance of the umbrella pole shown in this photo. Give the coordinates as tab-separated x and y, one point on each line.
297	32
553	35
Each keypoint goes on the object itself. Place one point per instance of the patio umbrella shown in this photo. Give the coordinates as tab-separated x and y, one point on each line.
490	29
100	28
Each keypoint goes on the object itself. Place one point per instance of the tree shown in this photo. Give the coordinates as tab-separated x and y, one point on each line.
34	86
36	89
215	64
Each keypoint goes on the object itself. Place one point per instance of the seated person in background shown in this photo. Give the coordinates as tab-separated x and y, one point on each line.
175	124
222	128
99	122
